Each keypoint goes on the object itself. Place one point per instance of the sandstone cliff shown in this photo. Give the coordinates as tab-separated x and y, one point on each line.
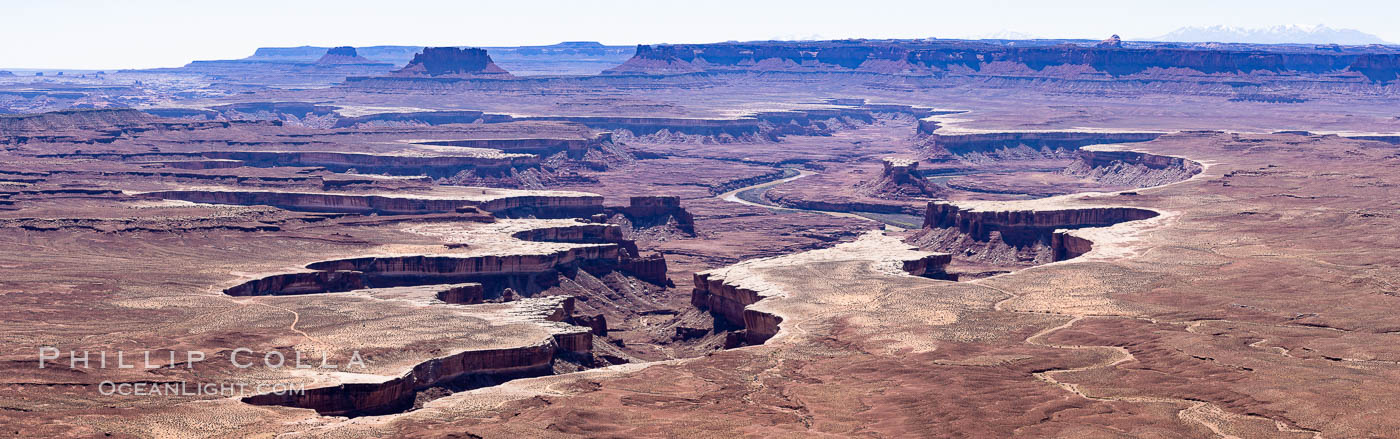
653	211
464	369
1131	169
1017	145
520	204
72	119
1015	237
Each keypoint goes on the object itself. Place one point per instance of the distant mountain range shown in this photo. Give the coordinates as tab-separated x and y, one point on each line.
1273	35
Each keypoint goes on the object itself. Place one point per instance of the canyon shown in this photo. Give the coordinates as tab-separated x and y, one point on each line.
852	238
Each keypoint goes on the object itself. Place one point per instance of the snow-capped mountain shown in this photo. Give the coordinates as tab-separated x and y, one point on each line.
1273	35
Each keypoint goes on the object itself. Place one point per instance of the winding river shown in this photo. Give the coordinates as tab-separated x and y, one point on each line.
753	196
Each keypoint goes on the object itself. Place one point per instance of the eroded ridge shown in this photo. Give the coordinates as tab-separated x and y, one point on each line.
504	202
477	267
1003	234
565	246
359	395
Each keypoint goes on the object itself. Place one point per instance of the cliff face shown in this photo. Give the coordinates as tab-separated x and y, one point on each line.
451	61
647	211
1016	237
72	119
730	302
540	205
543	147
435	166
1028	223
918	57
421	117
463	295
300	283
1004	145
520	272
361	399
1131	169
463	368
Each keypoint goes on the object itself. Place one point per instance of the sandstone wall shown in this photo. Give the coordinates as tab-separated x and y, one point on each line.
300	283
465	267
433	166
359	399
1132	169
947	145
464	295
979	223
476	365
539	205
1035	236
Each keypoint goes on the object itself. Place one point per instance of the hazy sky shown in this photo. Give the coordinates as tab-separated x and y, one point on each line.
156	33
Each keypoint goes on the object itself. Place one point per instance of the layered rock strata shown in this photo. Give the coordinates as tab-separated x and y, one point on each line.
1021	228
467	294
1020	144
1131	168
645	211
499	202
405	163
600	248
300	283
369	396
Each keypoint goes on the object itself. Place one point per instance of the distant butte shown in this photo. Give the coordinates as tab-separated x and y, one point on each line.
451	61
343	55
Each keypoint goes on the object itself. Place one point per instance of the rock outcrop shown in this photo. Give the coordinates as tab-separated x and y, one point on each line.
300	283
452	62
602	248
764	125
1131	168
466	367
466	294
430	163
541	205
1111	42
649	211
342	55
73	119
542	147
900	179
1017	145
415	118
1015	237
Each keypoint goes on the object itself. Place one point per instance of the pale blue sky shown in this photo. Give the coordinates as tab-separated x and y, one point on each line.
114	34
